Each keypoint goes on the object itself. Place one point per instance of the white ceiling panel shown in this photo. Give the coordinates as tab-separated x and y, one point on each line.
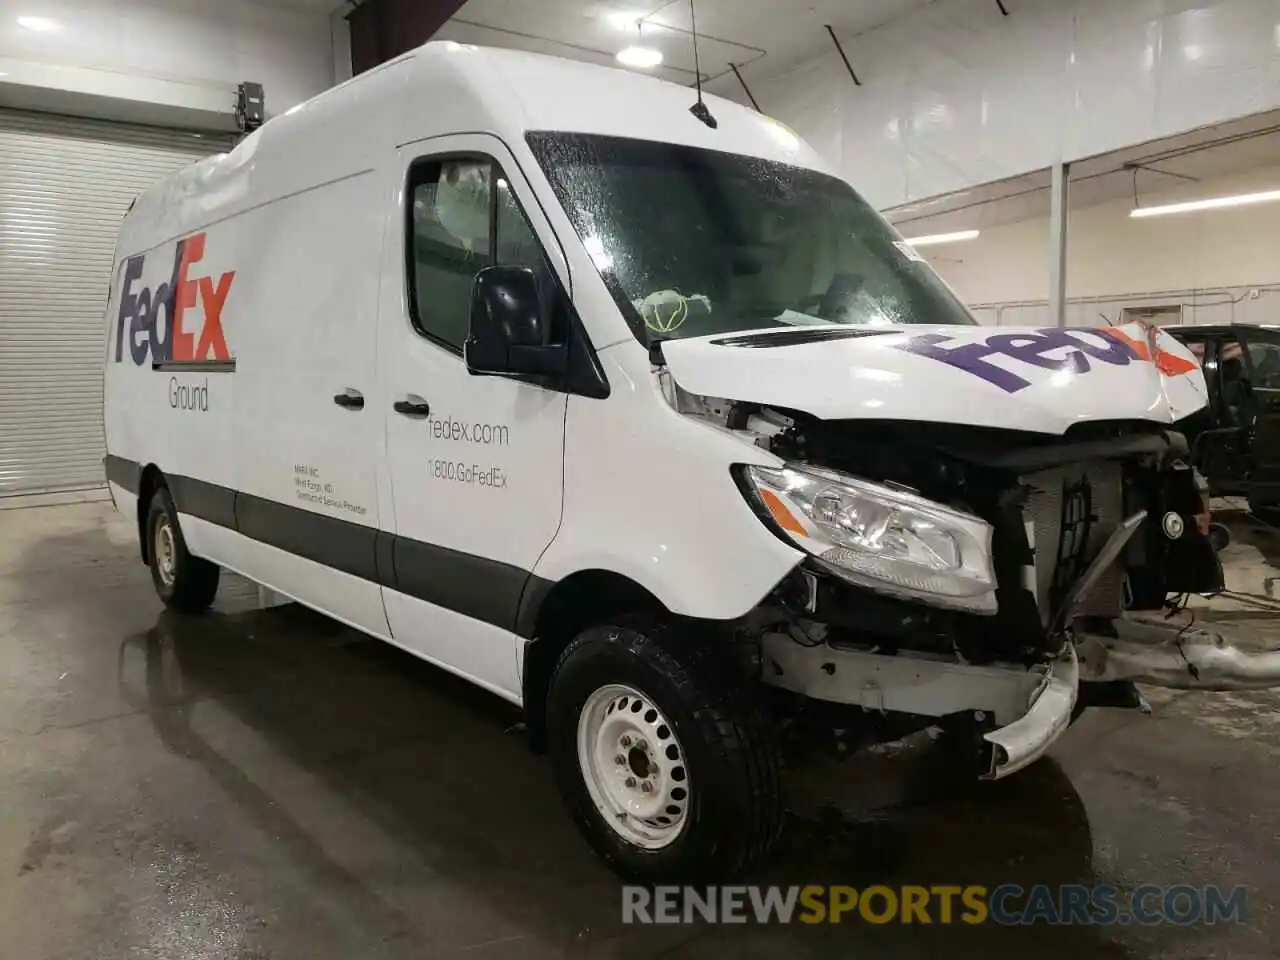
593	39
790	32
760	37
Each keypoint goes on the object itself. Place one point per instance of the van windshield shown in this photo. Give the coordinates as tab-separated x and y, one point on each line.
694	242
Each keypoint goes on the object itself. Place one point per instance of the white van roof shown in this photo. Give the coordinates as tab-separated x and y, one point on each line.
442	88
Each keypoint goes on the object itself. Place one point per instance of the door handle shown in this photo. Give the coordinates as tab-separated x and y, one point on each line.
414	407
349	399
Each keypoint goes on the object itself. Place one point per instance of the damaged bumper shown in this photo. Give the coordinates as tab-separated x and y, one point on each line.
1026	739
1031	707
1172	655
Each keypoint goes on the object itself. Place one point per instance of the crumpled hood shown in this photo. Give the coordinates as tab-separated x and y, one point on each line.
1038	380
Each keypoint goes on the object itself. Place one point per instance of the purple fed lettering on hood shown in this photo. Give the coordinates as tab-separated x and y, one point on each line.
1072	349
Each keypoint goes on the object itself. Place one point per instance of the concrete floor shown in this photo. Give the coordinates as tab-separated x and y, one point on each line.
268	784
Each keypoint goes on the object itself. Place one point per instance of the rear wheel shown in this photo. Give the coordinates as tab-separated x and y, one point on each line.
185	583
666	761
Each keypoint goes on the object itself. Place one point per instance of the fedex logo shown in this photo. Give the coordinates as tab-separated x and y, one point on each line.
172	337
1073	349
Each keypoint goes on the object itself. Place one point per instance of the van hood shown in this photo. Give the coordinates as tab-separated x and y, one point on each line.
1033	379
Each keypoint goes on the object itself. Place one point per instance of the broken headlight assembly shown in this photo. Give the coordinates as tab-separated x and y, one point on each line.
887	540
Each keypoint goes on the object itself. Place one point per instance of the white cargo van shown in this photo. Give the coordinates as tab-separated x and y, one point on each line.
647	422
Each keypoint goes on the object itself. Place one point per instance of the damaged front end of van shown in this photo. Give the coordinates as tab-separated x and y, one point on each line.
994	524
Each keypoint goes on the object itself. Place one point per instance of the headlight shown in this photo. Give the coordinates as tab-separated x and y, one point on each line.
884	539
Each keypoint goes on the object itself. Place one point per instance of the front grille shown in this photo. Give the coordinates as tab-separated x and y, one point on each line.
1073	540
1070	512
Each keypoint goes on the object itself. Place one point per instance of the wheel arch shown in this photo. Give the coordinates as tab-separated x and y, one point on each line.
552	614
152	479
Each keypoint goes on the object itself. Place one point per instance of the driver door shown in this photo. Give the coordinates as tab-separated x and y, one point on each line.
474	466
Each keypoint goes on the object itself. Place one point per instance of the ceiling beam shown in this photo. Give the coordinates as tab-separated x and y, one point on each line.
383	29
840	49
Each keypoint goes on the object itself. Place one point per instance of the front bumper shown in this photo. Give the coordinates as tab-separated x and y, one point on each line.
1171	655
1026	739
1031	707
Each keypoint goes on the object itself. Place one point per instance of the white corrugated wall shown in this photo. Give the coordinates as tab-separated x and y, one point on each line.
65	184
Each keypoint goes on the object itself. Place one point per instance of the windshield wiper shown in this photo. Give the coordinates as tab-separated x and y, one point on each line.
656	340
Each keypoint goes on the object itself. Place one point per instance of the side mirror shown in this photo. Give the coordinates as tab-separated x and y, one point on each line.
508	326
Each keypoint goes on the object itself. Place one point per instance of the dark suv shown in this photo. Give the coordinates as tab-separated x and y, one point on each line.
1235	441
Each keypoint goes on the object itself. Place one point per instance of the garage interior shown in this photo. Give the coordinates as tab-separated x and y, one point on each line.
264	782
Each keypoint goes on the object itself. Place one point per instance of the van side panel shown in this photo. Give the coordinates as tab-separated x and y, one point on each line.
278	242
308	502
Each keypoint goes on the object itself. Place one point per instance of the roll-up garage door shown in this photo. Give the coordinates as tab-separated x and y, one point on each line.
65	185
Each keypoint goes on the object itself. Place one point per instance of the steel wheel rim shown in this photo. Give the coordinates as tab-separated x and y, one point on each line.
166	551
634	766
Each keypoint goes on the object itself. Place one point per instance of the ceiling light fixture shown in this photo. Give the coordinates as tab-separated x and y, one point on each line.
936	238
625	19
39	24
1213	203
643	58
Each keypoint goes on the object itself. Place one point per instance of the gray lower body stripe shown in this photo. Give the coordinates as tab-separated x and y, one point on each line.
476	587
339	544
123	473
208	501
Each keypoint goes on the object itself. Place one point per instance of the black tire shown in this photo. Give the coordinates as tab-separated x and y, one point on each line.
733	810
184	582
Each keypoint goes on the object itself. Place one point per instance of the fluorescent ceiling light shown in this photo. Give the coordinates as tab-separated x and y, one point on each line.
1213	203
943	238
646	58
39	24
624	19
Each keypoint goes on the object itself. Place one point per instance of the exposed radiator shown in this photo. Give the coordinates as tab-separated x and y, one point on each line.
1070	513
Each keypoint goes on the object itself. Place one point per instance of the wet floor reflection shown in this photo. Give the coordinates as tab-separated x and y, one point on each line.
435	767
270	784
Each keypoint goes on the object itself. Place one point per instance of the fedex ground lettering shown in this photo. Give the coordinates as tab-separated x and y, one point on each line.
156	323
1069	349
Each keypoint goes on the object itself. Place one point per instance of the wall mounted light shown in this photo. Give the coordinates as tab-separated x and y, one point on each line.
1213	203
936	238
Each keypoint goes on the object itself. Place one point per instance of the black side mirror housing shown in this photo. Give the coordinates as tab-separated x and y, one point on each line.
509	327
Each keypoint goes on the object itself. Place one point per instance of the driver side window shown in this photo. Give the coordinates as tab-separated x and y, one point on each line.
463	217
1264	358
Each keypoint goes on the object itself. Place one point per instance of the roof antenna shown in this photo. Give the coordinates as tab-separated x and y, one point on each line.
699	109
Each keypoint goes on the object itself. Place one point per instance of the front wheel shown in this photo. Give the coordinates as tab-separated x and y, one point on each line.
185	583
663	756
